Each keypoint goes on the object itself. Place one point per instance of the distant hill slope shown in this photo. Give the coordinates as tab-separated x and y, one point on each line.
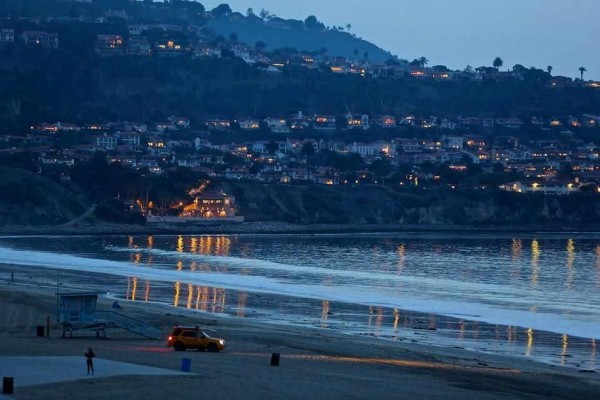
336	43
30	199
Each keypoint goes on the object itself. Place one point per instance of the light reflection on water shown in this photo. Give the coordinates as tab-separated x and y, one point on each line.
539	275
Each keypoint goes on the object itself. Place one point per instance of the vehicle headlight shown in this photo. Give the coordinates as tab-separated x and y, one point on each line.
222	342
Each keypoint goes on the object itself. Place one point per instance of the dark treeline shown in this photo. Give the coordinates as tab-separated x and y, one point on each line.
73	84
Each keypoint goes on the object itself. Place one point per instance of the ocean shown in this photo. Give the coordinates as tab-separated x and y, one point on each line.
527	295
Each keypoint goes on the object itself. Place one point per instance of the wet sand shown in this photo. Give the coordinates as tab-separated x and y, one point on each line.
315	363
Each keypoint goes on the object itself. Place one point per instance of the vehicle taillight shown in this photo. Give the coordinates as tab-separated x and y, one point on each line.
170	337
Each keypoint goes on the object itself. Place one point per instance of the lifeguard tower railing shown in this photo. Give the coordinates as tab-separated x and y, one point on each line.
77	312
105	320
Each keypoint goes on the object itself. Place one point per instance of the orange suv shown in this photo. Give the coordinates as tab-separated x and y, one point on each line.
192	337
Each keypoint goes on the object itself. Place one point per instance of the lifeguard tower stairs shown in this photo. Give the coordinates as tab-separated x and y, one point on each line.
77	312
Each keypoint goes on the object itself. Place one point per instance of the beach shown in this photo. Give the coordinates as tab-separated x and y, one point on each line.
315	363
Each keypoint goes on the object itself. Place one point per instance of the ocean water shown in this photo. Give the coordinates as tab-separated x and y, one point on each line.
520	294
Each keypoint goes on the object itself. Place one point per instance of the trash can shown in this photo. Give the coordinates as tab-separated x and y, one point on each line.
275	360
39	330
186	365
8	385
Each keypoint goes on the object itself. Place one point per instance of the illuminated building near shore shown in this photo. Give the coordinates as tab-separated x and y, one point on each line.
211	205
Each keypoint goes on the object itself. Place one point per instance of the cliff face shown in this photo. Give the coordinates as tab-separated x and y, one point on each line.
30	199
390	205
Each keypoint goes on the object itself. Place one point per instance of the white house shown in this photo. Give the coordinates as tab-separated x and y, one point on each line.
363	149
7	35
551	187
106	142
277	125
357	121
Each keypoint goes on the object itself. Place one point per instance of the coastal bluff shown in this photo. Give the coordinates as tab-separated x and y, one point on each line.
29	199
377	204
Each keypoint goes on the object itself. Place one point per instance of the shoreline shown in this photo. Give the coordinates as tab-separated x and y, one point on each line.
412	327
277	228
315	363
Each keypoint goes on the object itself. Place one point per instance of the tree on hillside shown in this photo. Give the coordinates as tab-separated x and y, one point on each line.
264	14
582	70
260	46
222	10
381	168
419	62
311	22
498	63
307	151
520	69
272	148
250	12
549	69
348	27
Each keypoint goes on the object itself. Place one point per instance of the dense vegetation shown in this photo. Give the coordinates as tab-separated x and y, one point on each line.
73	84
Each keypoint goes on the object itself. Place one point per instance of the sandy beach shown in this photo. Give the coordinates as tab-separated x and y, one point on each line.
315	363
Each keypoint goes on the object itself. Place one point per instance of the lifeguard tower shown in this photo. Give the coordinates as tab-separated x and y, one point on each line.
77	312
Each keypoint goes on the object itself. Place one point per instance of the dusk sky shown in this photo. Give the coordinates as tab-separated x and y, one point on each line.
458	33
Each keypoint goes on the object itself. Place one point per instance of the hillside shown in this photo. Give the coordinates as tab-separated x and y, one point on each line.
336	43
31	199
321	204
71	84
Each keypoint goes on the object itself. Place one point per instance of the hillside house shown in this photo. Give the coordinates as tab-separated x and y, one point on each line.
249	124
109	45
169	48
137	29
363	149
7	36
40	38
510	123
106	142
452	142
216	124
165	126
384	148
139	46
324	123
550	187
151	163
277	125
384	121
180	122
299	121
357	121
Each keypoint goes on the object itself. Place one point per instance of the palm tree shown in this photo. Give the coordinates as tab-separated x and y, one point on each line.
348	27
498	63
423	61
582	70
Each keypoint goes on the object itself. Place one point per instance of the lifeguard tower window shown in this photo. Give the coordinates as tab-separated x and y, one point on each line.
77	307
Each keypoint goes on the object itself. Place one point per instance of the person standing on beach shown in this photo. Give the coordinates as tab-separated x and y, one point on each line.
89	360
